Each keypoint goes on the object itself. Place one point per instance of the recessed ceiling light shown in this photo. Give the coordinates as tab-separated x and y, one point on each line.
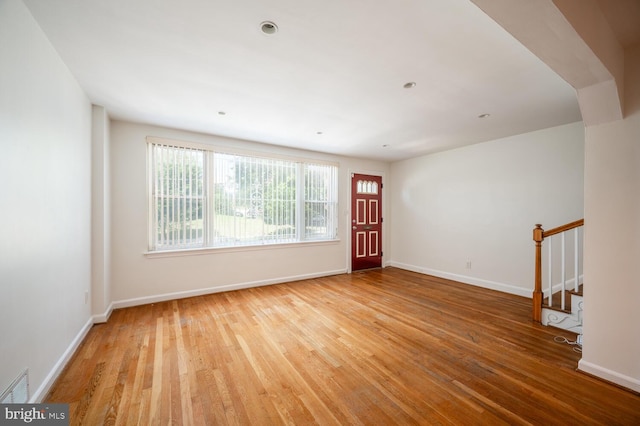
410	85
484	115
222	113
318	133
268	27
385	145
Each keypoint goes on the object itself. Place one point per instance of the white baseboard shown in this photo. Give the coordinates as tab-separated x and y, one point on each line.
200	292
104	317
478	282
609	375
41	392
101	318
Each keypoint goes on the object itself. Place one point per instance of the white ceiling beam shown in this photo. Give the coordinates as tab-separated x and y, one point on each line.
575	40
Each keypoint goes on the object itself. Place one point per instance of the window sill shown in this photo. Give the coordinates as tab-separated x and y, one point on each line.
212	250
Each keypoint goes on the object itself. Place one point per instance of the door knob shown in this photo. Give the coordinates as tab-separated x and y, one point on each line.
354	228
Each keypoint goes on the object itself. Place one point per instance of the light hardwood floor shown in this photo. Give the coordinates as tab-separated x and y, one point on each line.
380	347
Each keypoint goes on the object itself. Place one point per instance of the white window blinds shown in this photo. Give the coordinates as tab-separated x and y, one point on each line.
255	200
320	206
177	197
202	198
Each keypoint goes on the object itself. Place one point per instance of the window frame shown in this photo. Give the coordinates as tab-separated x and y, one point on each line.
209	209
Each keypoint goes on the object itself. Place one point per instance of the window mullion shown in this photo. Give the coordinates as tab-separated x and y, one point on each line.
182	205
276	198
208	198
189	194
300	202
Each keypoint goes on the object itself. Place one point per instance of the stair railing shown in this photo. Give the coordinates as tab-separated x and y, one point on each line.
539	236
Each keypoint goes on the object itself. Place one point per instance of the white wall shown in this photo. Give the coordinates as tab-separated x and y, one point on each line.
45	131
100	215
480	203
612	241
139	279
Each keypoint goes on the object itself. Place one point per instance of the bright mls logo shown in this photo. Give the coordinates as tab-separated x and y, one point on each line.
37	414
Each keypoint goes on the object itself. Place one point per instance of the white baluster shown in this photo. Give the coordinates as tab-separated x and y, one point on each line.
563	271
576	258
551	271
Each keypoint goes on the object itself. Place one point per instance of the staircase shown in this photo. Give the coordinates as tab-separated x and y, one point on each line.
569	318
560	304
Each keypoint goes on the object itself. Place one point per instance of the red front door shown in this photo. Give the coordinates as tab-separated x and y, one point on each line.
366	222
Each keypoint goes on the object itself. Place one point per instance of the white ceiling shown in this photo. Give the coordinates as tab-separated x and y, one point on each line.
335	66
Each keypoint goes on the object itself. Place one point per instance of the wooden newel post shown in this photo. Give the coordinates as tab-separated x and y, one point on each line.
538	236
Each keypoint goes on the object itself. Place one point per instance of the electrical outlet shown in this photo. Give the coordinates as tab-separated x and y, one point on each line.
468	264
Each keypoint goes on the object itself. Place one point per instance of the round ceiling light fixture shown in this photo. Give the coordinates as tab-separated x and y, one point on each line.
410	85
268	27
484	115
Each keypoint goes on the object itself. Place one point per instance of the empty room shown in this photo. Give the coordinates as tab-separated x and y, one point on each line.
340	212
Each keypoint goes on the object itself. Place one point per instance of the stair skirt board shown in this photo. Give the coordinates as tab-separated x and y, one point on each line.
571	321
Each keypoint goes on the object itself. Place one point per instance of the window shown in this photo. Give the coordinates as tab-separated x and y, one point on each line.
200	197
177	197
367	187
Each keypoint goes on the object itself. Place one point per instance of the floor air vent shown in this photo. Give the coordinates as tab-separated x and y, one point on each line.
18	391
